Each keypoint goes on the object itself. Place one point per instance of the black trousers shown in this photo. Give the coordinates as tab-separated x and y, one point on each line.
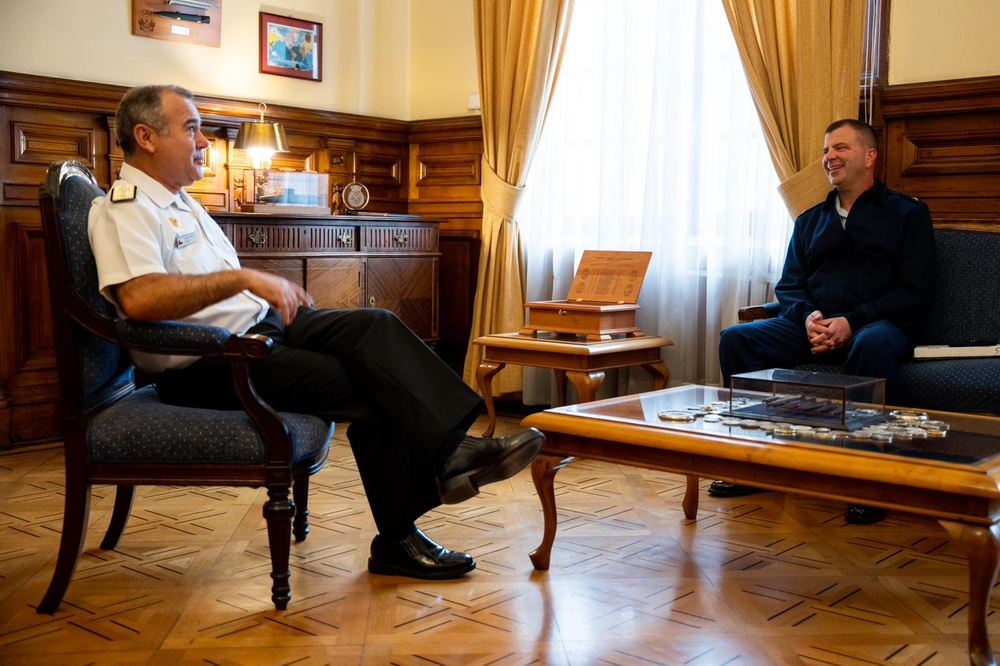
407	409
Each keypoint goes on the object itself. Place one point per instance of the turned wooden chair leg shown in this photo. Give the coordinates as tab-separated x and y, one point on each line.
119	517
300	495
278	512
75	515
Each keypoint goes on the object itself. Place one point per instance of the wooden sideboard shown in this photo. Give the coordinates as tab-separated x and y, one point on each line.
348	261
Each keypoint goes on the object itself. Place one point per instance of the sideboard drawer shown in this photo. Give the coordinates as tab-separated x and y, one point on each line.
400	238
267	238
282	238
331	238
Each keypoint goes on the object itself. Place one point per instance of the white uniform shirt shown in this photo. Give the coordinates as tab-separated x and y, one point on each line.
156	231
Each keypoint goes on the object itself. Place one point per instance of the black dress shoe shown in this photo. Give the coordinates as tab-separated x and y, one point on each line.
729	489
860	514
417	556
481	460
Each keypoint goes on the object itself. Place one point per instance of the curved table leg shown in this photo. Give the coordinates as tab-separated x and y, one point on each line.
484	377
586	383
543	473
982	548
560	387
659	372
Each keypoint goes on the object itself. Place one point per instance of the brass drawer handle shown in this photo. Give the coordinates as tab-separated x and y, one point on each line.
257	237
346	238
401	238
371	301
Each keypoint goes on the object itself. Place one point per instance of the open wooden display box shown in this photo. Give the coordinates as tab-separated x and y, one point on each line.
602	302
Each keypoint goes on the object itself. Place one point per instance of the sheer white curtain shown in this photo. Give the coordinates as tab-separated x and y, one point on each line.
653	143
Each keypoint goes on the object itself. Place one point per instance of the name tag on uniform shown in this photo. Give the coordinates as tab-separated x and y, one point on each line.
183	240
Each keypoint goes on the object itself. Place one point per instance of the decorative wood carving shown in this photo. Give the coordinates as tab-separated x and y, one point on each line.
445	170
43	144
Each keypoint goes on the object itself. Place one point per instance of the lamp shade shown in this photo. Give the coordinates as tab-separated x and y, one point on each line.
261	136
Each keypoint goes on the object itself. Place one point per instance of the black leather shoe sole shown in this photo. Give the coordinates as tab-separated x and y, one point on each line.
729	489
859	514
466	484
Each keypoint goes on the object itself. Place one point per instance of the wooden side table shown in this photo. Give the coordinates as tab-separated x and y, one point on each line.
582	362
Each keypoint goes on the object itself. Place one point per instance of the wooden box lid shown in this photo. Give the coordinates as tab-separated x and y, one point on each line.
602	298
609	277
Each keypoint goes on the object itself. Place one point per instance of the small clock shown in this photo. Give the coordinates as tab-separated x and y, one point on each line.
355	196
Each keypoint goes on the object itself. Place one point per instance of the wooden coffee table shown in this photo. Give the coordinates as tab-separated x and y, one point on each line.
572	357
953	479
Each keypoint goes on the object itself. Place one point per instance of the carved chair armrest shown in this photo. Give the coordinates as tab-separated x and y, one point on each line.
757	312
213	341
176	338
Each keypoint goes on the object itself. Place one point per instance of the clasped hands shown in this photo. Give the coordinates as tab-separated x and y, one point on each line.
825	335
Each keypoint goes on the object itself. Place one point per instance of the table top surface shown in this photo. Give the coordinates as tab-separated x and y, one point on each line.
570	344
967	454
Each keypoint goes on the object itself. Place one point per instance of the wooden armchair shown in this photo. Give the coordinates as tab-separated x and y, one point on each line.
121	435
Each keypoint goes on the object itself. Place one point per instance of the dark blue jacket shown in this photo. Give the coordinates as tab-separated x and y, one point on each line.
881	266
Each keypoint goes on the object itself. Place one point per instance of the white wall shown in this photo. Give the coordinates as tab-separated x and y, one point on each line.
442	59
932	40
368	66
403	59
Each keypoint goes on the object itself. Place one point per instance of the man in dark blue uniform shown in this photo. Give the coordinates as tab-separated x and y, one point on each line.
859	272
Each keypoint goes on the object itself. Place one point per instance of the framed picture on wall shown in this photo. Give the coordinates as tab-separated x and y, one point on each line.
291	47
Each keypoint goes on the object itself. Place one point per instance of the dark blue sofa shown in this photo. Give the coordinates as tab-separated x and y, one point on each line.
966	308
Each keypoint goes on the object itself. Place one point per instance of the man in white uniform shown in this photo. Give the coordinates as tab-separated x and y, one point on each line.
161	257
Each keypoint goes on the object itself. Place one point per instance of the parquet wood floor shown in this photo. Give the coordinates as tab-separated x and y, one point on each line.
767	579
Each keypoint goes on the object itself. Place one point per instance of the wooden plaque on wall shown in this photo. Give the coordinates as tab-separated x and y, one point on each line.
191	21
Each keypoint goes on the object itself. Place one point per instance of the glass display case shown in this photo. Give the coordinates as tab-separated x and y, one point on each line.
804	397
286	192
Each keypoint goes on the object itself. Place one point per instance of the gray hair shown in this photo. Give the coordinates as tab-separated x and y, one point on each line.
142	105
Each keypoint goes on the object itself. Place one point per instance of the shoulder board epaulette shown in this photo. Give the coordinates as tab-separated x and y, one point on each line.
122	192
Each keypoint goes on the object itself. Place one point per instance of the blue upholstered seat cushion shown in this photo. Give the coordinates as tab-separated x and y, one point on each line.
140	428
953	385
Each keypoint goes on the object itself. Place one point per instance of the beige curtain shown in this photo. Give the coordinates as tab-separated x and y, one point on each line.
803	62
519	46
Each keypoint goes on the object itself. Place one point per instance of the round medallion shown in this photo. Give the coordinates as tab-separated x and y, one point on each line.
674	416
355	196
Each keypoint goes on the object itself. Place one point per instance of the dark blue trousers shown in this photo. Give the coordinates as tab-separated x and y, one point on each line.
875	350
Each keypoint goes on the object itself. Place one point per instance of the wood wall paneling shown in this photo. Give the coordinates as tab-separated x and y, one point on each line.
31	385
459	268
943	146
31	137
445	176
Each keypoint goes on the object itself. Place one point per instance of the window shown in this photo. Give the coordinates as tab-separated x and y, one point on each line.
653	143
